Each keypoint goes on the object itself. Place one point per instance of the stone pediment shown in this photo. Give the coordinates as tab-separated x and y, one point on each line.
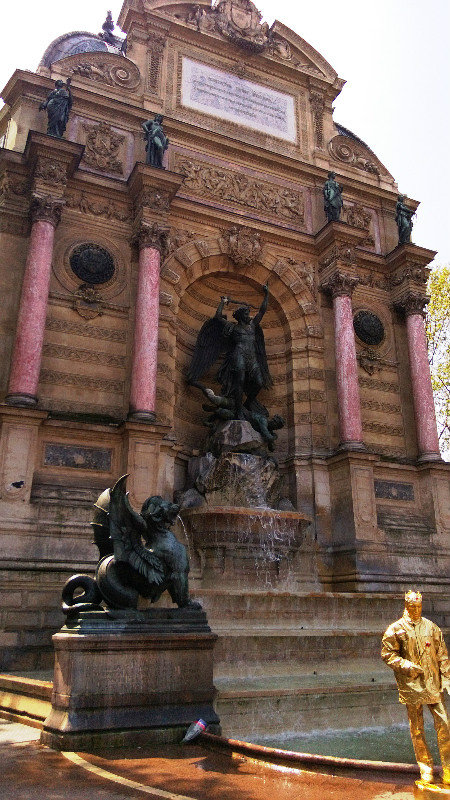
101	70
240	22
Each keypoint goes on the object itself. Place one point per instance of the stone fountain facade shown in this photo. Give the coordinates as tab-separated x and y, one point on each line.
93	371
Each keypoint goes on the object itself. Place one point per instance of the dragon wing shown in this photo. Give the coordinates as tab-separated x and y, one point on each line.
126	530
208	347
260	348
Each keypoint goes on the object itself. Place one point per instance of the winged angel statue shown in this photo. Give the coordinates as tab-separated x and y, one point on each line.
244	370
139	555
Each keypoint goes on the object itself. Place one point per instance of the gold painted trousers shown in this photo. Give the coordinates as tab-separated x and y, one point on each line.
442	726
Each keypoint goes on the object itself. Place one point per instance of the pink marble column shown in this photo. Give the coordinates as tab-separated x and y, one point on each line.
350	426
27	352
424	410
145	350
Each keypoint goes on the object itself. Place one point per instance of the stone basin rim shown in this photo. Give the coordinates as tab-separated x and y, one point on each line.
245	511
277	755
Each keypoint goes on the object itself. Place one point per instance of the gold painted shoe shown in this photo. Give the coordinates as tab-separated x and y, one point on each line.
446	775
426	775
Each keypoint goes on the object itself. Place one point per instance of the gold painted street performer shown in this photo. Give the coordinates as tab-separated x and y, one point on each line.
415	649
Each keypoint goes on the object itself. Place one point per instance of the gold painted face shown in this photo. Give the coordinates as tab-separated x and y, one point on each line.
414	609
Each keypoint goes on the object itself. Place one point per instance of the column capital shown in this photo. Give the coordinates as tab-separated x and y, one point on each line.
46	208
151	235
340	284
412	303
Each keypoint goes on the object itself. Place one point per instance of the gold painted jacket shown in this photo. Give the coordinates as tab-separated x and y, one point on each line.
406	643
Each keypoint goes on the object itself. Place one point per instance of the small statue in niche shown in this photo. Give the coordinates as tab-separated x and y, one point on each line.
139	556
58	105
244	371
403	218
156	141
332	195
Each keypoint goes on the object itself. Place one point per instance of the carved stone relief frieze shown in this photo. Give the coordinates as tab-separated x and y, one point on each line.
154	199
344	253
12	186
107	209
102	151
51	171
227	185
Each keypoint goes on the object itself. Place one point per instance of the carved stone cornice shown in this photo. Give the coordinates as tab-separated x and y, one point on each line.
51	171
51	162
152	199
339	285
344	253
152	191
46	208
154	236
412	303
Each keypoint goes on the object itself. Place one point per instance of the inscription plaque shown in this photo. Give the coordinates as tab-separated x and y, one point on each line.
77	457
391	490
224	95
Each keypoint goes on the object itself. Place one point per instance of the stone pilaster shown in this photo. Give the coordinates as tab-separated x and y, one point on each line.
341	287
50	162
413	306
151	191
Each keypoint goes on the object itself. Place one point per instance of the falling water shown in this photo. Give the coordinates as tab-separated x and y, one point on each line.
188	547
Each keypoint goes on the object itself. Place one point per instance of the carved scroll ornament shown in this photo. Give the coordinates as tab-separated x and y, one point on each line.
344	149
123	73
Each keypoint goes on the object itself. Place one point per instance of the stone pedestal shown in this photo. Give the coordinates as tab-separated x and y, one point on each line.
128	678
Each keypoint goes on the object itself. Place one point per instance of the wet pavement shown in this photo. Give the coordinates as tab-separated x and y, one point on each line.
31	772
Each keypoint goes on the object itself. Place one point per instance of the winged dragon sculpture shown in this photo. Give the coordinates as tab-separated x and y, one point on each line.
139	556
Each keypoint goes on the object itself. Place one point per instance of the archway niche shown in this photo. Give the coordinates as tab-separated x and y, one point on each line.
197	303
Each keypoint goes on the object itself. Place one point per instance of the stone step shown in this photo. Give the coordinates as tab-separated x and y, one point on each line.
25	698
257	653
247	714
323	610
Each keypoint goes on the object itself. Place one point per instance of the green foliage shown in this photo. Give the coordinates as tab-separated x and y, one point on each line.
438	334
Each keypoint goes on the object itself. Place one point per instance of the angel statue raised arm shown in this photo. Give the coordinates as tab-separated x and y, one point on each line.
244	371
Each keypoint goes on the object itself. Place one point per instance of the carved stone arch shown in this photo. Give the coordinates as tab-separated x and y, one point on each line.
196	257
195	284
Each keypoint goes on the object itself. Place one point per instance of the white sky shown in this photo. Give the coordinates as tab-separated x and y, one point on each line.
394	55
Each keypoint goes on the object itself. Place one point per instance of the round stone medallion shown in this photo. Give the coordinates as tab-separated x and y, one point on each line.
92	264
368	328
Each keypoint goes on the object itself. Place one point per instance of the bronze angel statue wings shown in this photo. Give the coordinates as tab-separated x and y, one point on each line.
244	369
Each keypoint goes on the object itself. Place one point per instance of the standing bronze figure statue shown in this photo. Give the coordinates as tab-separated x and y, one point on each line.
244	370
156	141
332	195
58	105
403	218
414	648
